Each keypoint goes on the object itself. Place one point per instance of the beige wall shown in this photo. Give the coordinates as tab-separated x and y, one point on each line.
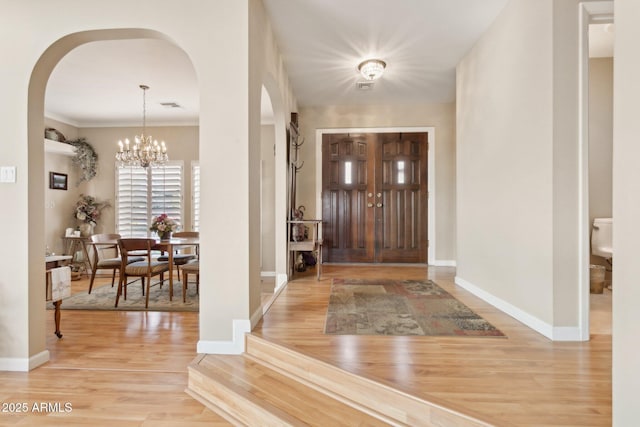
182	145
517	174
229	107
626	211
59	204
600	140
439	116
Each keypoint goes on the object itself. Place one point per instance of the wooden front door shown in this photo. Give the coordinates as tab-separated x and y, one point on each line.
374	197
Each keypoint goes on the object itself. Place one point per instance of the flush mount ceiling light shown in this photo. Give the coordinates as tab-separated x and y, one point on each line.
145	151
372	69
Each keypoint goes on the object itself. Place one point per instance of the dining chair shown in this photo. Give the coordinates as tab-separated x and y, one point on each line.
180	258
107	256
192	267
145	269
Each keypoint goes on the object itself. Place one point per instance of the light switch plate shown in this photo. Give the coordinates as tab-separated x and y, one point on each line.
8	174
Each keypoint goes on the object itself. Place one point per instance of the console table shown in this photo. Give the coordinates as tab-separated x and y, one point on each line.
52	262
75	244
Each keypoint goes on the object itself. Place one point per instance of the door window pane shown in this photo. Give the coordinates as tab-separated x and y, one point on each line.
400	172
347	173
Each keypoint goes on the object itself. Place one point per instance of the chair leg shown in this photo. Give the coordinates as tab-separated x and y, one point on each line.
185	277
93	276
146	304
121	278
113	277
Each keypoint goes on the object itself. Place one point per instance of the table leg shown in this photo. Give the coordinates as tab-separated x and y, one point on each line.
170	273
87	260
57	304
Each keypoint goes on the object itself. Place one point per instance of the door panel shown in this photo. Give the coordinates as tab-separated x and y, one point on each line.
347	221
375	197
401	221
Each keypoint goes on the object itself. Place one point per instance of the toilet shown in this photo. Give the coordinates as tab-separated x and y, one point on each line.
601	238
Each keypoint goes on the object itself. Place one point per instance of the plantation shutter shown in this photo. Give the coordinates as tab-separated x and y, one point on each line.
132	201
142	194
166	192
195	191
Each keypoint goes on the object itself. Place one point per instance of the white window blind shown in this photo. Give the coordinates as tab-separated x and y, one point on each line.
144	193
195	196
132	199
166	192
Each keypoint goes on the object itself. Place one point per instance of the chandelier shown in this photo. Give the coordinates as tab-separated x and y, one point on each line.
145	151
372	69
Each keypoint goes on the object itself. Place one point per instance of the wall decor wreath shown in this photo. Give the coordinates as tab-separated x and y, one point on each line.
85	158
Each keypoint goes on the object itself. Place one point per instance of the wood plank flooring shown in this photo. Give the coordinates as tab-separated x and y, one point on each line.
524	380
114	368
130	368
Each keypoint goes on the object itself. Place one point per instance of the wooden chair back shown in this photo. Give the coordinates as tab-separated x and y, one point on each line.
99	250
188	234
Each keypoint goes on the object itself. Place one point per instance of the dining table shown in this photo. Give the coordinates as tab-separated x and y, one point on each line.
169	246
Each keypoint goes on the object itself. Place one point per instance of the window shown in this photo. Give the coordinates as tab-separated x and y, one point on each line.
144	193
195	196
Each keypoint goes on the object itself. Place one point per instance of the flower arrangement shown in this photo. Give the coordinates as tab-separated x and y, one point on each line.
163	225
88	209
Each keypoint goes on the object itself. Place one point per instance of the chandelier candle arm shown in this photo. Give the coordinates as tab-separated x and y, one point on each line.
145	151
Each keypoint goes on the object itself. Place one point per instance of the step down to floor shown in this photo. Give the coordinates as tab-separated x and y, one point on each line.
250	393
271	384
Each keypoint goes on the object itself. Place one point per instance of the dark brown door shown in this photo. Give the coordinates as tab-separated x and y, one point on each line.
347	180
374	197
401	198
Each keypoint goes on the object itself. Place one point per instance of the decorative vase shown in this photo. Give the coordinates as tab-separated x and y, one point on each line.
86	229
164	236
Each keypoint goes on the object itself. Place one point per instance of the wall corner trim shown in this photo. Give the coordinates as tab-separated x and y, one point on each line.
553	333
235	346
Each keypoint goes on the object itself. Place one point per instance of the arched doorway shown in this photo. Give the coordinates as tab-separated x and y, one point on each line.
36	98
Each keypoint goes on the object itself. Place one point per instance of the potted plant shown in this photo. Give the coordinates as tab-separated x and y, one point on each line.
87	212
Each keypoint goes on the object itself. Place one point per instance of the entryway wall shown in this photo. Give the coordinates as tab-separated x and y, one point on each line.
438	119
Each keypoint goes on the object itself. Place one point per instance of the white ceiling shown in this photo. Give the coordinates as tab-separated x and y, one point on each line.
322	42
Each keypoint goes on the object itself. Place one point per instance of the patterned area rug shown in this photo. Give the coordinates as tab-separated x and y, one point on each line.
400	307
104	297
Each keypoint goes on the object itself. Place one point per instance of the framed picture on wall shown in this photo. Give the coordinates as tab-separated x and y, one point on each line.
58	181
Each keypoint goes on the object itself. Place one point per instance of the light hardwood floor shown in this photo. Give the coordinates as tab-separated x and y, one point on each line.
114	368
524	380
129	368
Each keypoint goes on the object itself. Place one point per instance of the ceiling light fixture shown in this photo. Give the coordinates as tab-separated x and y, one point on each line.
145	151
372	69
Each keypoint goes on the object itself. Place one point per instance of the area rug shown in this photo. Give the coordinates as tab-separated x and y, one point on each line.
104	298
400	307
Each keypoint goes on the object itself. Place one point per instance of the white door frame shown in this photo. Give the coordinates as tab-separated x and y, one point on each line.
591	11
431	178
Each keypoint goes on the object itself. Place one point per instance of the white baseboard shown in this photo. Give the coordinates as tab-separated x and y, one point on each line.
281	280
236	346
444	263
18	364
256	316
559	333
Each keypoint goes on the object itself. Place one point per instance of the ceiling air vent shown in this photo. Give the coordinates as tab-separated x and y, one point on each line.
364	85
170	104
